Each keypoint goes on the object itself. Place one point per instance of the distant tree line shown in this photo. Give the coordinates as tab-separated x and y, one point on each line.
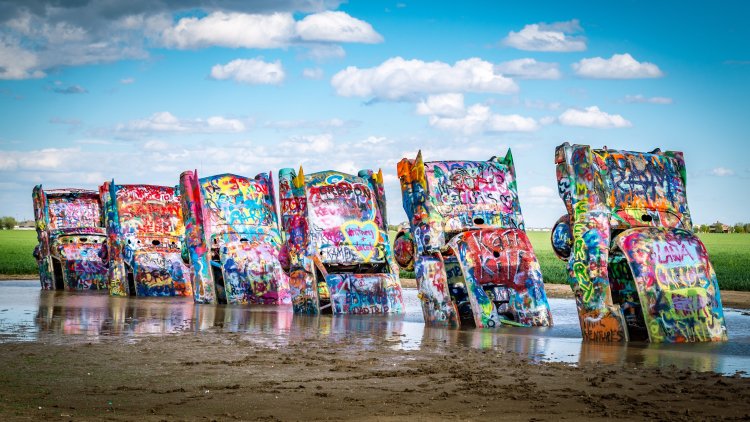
719	227
7	223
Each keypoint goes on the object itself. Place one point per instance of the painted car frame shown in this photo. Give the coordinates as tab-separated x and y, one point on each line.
637	270
145	233
72	249
474	262
339	256
233	239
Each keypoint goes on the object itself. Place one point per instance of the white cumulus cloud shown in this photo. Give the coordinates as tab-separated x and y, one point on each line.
250	71
165	121
400	79
592	117
448	112
619	66
442	105
331	26
37	36
556	37
232	30
479	119
529	69
274	30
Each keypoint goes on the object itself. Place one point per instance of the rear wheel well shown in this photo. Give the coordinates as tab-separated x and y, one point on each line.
131	280
625	294
58	275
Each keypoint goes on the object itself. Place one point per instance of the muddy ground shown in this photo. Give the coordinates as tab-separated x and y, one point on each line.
349	375
215	376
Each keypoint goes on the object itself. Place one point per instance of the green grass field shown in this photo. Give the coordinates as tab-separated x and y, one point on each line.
730	254
553	269
16	247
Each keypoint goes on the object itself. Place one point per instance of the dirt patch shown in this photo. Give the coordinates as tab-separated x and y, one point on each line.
735	299
6	277
229	377
408	283
559	291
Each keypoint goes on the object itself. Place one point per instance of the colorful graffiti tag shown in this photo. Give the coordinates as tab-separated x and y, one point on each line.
335	222
365	293
629	248
233	240
145	230
676	285
473	260
72	251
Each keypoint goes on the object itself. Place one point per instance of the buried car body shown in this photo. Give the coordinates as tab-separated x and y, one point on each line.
338	254
144	230
474	262
72	249
637	270
233	240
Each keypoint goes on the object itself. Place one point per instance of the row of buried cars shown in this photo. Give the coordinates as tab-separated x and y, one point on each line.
637	270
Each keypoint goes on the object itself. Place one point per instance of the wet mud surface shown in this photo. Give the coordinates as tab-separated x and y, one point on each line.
82	357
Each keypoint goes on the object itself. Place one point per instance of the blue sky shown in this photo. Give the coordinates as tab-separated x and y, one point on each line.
141	91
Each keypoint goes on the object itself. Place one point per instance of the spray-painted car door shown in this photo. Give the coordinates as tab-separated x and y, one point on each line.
85	265
676	285
365	293
252	272
434	292
504	259
160	273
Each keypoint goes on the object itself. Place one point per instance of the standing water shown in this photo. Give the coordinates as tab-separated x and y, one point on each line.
53	317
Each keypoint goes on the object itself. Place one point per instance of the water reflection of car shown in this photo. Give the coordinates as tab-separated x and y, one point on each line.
72	249
97	317
233	239
637	270
145	232
474	262
338	253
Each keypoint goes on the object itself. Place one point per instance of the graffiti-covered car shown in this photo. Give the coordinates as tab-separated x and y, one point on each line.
233	239
637	270
473	260
145	232
339	256
72	249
